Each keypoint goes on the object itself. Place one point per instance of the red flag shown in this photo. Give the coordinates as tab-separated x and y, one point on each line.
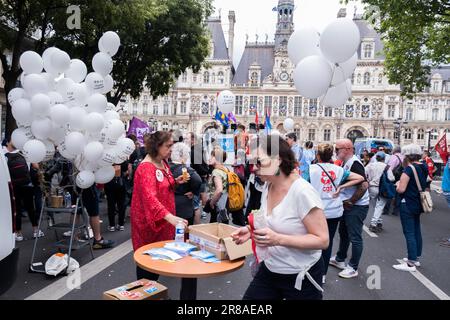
441	148
257	119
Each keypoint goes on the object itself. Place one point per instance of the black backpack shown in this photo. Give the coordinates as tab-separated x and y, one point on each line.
398	170
18	169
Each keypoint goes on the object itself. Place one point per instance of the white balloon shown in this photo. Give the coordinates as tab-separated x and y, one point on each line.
93	151
50	79
60	114
107	158
77	115
102	63
41	128
31	62
77	70
340	40
95	82
226	101
97	103
94	122
125	146
34	151
40	105
46	57
34	84
343	71
63	88
77	95
75	142
110	143
20	136
111	115
109	84
288	124
104	174
21	111
336	96
303	43
60	61
50	150
110	106
15	94
85	179
63	150
55	98
114	129
109	43
312	76
57	134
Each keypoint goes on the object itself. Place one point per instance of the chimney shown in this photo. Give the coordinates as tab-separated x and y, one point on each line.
342	13
232	21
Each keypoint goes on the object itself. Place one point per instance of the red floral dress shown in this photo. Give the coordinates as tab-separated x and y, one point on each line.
153	199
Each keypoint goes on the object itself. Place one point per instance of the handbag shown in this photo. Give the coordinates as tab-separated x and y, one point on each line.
326	172
425	196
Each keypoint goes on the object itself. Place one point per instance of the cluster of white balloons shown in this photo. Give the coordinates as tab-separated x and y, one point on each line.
325	62
226	101
65	107
288	124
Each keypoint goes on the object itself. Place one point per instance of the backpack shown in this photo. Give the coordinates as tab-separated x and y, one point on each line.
398	170
18	169
387	187
236	192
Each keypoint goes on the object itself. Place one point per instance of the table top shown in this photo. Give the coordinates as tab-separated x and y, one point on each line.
187	267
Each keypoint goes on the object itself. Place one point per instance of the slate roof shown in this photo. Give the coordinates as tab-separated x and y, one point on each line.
367	31
261	54
218	37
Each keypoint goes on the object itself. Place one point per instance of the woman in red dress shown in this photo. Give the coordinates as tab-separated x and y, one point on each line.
153	215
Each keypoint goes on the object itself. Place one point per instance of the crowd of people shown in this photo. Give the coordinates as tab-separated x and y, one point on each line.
292	202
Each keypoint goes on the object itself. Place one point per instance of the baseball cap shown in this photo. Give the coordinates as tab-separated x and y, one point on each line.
380	154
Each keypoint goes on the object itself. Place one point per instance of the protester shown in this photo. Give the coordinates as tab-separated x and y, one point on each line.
329	180
367	158
309	155
410	206
289	246
291	139
116	196
153	215
356	205
395	164
374	171
446	193
201	167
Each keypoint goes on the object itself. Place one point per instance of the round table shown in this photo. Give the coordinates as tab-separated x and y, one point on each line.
187	268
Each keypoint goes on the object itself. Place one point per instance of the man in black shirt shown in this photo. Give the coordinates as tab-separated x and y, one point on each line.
201	167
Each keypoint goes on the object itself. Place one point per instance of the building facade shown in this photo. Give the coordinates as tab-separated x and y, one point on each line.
263	82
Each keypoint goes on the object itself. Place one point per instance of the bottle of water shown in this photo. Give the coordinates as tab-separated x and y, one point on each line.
179	232
202	245
68	200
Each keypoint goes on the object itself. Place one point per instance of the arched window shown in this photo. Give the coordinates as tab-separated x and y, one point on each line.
420	134
409	114
435	115
447	114
220	77
165	126
213	78
353	78
367	78
368	51
254	79
359	78
408	134
380	78
206	77
184	77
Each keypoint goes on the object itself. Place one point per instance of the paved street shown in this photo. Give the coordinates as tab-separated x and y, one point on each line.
115	267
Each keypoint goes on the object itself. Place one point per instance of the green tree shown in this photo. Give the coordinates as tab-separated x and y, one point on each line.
160	39
416	37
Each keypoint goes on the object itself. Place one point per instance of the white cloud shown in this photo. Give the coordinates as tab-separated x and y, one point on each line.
256	17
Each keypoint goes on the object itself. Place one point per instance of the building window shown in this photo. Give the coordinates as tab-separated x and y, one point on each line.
447	114
183	107
135	108
435	102
155	110
368	51
145	109
283	106
435	115
353	78
434	134
297	106
194	77
420	134
312	134
253	104
313	107
254	79
297	133
184	77
435	86
327	135
220	77
391	111
165	126
213	78
349	111
268	105
205	107
359	78
367	78
422	102
328	112
165	109
409	114
145	97
206	77
365	111
238	106
380	78
408	134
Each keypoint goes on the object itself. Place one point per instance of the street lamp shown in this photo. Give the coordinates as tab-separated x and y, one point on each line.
430	133
398	125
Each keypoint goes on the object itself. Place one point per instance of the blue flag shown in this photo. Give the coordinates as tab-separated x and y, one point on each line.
267	124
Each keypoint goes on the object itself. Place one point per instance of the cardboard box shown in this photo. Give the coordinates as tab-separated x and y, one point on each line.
56	201
139	290
217	240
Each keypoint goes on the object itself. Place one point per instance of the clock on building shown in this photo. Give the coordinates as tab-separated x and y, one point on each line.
284	76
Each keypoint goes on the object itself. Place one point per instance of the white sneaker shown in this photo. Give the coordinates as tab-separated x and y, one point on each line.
324	278
416	263
38	234
340	265
111	229
404	267
67	234
348	273
19	237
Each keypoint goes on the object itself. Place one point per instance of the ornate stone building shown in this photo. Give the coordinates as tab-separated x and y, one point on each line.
263	82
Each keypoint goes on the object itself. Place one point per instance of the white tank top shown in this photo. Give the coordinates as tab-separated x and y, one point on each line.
348	192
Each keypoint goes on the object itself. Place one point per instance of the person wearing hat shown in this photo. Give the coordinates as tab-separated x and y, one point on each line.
374	171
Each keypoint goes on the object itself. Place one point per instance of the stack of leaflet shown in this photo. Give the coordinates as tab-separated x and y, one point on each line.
204	256
163	254
182	248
